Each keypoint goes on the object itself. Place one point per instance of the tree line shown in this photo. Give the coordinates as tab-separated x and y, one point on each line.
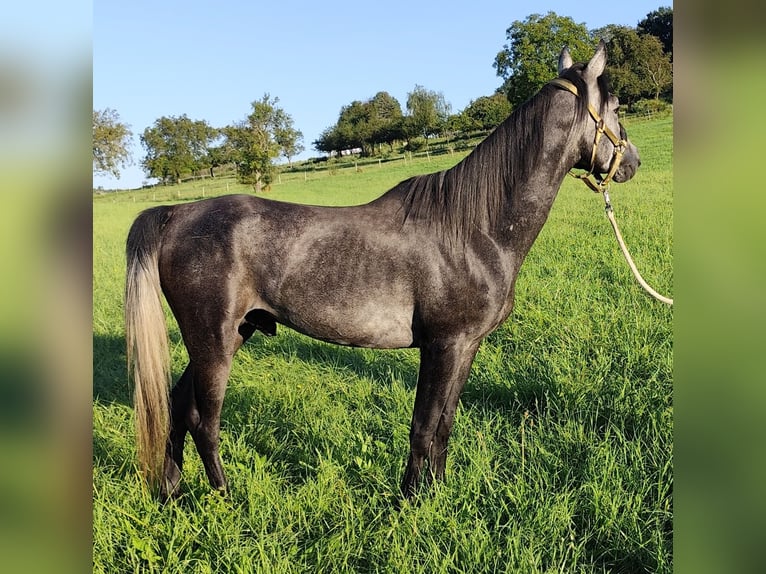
176	146
640	70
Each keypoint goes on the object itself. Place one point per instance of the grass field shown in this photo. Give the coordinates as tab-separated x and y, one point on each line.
561	454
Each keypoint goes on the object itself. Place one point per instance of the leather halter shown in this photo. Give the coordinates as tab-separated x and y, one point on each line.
601	184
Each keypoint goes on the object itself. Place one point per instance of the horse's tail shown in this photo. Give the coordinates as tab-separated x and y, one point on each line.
147	341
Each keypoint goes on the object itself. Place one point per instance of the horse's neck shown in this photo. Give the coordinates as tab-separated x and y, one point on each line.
528	202
528	209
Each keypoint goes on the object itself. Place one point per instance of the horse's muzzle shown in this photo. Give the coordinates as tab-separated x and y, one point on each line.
629	164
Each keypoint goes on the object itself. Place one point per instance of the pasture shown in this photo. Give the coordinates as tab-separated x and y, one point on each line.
561	454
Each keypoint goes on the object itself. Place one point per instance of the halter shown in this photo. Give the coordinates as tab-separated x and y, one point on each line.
601	184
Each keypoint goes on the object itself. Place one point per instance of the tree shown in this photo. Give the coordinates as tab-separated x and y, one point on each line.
485	113
530	57
363	125
428	112
655	65
637	66
622	69
659	23
217	156
111	139
289	140
328	141
385	118
259	139
176	146
354	128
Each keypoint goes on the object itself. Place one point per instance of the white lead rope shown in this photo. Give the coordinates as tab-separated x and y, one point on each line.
628	258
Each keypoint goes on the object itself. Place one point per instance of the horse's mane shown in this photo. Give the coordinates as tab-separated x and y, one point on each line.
474	193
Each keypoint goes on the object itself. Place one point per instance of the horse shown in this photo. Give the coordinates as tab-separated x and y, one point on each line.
430	264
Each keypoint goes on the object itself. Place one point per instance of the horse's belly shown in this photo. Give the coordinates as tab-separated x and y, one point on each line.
373	325
347	285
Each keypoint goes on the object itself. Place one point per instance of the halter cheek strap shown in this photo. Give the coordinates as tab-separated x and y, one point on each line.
601	184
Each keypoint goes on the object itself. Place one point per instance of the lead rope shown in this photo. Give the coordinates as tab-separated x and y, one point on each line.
602	184
628	258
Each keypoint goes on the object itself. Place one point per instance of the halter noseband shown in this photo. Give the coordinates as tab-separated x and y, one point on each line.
601	184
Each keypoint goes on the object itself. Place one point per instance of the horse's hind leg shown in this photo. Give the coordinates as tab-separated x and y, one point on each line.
181	405
209	317
209	387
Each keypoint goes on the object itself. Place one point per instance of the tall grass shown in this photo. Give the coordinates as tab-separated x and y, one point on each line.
561	455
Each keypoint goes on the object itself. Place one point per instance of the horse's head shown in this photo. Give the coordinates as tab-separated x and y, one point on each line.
604	147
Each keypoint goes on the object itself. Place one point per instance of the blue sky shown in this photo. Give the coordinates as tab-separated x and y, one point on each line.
210	60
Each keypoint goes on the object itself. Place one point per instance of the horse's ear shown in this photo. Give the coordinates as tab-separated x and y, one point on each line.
597	63
565	60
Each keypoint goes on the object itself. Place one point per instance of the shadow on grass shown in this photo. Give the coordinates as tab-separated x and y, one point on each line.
526	391
379	366
110	375
292	448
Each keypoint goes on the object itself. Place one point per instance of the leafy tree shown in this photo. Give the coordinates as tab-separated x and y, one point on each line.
363	125
637	66
289	140
259	139
485	113
355	126
659	23
111	139
530	57
176	146
218	155
385	118
328	141
252	153
625	81
351	130
428	112
655	65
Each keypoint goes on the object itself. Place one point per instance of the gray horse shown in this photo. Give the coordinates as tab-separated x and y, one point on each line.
431	264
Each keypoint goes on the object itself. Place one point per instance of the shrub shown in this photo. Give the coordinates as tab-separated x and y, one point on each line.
651	107
416	144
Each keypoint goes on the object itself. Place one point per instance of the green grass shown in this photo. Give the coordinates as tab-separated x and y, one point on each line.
561	454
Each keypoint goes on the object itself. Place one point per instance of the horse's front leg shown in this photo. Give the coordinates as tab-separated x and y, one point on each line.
437	457
444	368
